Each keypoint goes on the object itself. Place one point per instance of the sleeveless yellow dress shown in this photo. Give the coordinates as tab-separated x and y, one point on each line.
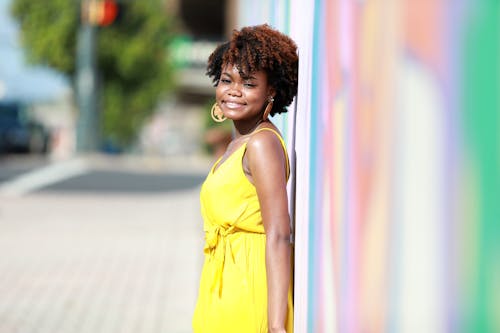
233	289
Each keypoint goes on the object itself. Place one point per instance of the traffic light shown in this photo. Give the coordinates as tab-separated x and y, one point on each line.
99	12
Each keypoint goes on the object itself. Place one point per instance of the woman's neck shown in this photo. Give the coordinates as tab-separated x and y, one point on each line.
242	130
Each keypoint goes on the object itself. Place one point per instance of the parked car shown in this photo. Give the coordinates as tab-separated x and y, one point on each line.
20	133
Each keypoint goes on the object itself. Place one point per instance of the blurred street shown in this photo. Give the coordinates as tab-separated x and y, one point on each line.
99	244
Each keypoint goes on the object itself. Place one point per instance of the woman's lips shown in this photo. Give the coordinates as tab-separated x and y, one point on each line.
233	105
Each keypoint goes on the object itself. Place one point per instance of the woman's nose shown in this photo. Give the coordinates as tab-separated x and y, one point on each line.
235	90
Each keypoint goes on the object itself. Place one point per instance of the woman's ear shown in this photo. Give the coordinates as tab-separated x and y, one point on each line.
271	92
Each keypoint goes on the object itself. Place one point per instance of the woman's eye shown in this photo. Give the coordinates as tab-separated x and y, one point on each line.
225	81
250	85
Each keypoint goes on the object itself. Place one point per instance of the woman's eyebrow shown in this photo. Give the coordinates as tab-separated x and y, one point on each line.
247	77
244	77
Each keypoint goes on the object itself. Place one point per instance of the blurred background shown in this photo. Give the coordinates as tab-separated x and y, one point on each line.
108	76
106	138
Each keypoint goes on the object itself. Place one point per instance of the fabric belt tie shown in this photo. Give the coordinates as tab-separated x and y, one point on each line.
217	246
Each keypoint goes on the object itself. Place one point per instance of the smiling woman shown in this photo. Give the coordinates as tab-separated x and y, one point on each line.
242	96
246	279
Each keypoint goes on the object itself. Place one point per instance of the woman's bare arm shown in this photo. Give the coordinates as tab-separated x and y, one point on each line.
266	161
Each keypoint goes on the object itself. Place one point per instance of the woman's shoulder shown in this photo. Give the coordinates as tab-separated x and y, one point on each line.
266	140
266	151
264	136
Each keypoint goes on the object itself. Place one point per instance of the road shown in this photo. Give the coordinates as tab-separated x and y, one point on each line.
98	174
113	245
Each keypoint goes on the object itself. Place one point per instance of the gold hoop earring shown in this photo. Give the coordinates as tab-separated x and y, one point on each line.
268	109
217	114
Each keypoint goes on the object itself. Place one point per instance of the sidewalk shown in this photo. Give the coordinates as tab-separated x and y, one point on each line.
75	263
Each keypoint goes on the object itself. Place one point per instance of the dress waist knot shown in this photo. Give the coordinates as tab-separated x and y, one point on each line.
217	246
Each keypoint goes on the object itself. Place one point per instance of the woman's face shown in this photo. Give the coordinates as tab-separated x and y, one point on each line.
242	97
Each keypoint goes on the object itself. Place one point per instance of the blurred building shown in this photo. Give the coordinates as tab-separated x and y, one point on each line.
179	125
203	26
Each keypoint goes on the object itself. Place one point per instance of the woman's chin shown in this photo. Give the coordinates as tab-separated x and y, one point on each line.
233	115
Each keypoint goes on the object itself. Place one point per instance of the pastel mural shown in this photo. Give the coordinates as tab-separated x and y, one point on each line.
396	133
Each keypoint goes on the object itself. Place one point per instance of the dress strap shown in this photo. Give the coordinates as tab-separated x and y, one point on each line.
282	145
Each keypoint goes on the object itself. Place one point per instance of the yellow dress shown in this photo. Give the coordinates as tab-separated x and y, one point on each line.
232	296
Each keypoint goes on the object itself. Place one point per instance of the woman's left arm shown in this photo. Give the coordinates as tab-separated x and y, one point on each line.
266	161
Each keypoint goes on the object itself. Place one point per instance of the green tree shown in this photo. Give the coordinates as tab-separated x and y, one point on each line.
131	56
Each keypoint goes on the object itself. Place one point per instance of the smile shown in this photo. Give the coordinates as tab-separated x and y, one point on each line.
233	105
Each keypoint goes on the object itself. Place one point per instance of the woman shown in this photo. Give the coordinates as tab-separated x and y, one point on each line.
246	278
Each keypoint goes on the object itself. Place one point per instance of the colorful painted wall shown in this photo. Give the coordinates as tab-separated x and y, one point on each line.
396	134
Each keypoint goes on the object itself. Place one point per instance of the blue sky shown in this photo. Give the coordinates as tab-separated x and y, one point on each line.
19	80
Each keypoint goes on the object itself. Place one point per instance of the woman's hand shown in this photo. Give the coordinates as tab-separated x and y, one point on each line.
281	330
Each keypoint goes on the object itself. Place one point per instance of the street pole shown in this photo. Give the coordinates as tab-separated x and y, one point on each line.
87	138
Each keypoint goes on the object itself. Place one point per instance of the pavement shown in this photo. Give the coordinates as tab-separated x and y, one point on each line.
100	262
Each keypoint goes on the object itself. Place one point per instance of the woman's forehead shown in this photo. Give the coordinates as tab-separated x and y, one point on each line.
236	70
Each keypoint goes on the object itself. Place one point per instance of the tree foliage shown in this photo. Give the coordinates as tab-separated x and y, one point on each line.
131	56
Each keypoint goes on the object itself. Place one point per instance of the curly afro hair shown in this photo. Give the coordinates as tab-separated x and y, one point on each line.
258	48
